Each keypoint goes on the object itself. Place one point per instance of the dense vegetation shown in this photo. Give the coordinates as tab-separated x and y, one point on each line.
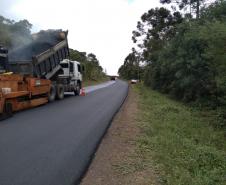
17	34
182	55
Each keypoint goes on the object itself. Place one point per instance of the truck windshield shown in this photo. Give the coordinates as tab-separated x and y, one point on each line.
64	65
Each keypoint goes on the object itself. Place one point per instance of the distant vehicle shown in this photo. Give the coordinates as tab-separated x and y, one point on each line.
113	78
39	79
133	81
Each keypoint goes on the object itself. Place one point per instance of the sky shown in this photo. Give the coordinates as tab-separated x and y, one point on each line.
102	27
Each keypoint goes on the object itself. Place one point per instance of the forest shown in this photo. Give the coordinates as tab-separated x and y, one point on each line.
182	51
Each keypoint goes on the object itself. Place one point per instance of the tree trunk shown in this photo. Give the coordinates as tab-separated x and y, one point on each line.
197	9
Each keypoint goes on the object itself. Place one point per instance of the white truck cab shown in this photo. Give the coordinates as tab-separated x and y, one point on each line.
68	80
72	69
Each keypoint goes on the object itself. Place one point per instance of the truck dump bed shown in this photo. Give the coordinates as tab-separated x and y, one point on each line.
41	58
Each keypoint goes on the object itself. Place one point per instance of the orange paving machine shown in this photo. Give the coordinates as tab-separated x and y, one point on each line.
20	92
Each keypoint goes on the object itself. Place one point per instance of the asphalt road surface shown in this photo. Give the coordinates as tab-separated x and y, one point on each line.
53	144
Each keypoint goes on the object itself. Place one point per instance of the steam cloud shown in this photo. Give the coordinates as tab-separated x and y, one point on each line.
39	43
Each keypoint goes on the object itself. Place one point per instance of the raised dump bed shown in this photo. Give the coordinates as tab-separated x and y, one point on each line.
41	58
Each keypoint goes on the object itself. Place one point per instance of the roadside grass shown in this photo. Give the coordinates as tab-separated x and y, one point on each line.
179	141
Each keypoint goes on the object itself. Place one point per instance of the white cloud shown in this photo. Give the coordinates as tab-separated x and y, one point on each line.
103	27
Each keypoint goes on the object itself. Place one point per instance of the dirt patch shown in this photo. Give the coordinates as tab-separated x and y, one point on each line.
117	161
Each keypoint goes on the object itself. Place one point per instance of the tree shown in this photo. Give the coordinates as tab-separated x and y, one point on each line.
93	58
185	4
78	56
131	68
14	34
93	70
155	29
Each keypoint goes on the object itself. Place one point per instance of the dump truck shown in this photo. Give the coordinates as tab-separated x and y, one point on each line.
38	73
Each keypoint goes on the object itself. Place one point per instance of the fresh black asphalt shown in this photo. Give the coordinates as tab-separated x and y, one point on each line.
54	143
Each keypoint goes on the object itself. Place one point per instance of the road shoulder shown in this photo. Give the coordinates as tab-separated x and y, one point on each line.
117	160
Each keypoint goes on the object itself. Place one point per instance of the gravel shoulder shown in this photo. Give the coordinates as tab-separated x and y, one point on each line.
117	160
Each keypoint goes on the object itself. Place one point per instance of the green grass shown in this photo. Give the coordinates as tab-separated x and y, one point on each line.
180	141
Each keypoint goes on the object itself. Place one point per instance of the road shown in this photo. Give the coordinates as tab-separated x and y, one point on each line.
54	143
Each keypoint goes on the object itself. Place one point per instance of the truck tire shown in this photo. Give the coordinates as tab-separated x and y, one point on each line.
77	90
7	112
52	93
60	92
9	109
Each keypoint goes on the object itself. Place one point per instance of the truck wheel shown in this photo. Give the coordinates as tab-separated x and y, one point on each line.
8	111
77	90
52	93
60	92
